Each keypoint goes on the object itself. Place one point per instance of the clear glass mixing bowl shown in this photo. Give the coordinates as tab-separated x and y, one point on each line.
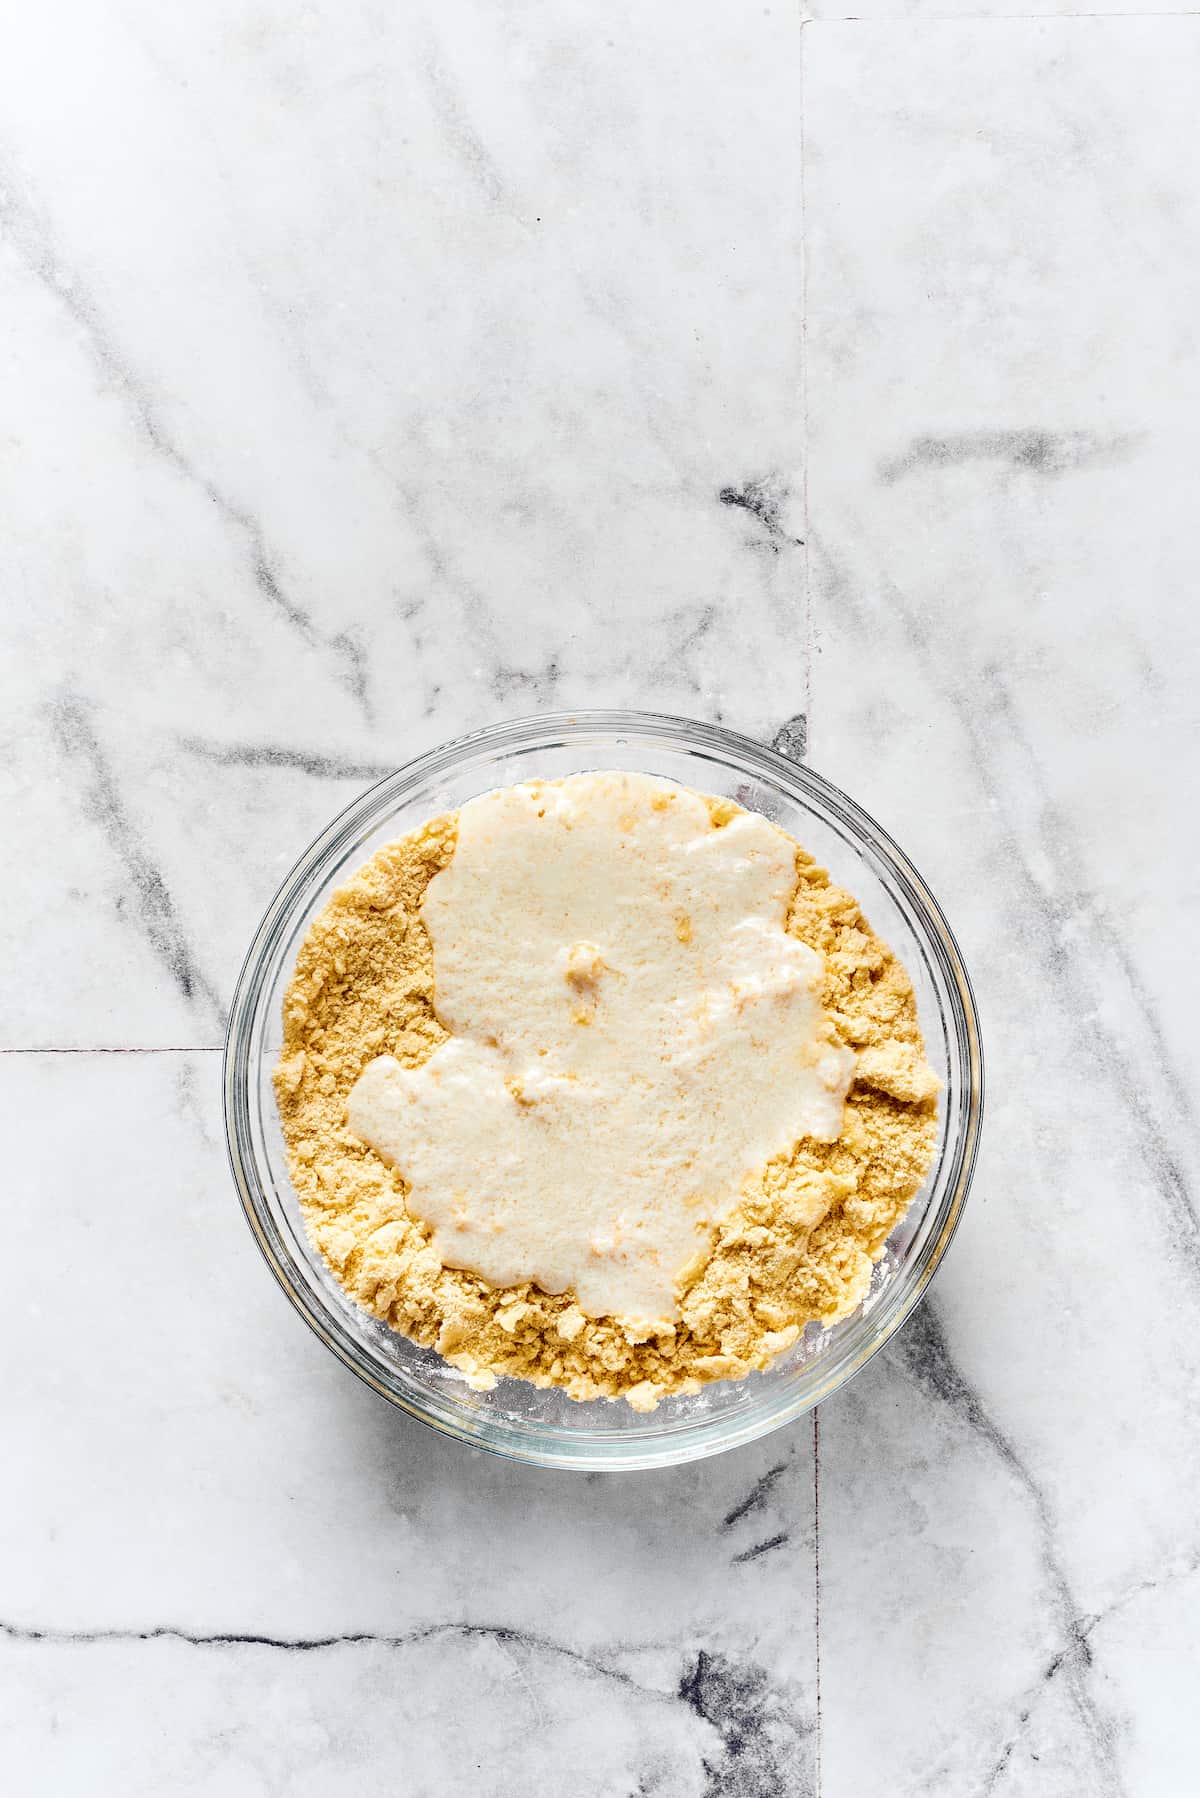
515	1418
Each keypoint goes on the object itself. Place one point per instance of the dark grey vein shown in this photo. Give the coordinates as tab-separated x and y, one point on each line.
1073	1654
1058	961
791	739
768	1745
757	1495
278	755
156	909
22	228
761	1548
1037	452
356	663
924	1356
672	664
496	1632
542	683
764	501
1056	834
1053	1666
761	1743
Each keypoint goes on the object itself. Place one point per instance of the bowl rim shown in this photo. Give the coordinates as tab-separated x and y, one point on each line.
531	731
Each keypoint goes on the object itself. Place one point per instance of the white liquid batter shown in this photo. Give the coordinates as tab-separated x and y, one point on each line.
634	1034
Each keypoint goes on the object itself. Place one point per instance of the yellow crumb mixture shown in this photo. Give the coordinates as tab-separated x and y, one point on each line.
799	1246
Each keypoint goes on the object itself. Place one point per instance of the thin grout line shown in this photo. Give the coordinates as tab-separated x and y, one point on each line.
104	1049
991	18
809	635
817	1578
809	666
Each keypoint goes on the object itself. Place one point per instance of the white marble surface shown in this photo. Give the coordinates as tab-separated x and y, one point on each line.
1002	295
370	373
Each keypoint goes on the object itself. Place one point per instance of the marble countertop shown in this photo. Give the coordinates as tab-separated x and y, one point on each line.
372	373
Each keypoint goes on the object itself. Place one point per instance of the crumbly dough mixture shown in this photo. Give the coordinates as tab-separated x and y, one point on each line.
799	1246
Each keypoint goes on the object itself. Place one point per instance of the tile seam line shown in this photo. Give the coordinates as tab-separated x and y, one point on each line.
810	661
117	1049
810	655
987	18
816	1441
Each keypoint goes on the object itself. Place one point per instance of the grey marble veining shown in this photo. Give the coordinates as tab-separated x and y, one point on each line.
371	374
374	376
1002	580
226	1562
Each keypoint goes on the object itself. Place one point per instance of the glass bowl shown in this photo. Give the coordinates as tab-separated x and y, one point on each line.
516	1419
